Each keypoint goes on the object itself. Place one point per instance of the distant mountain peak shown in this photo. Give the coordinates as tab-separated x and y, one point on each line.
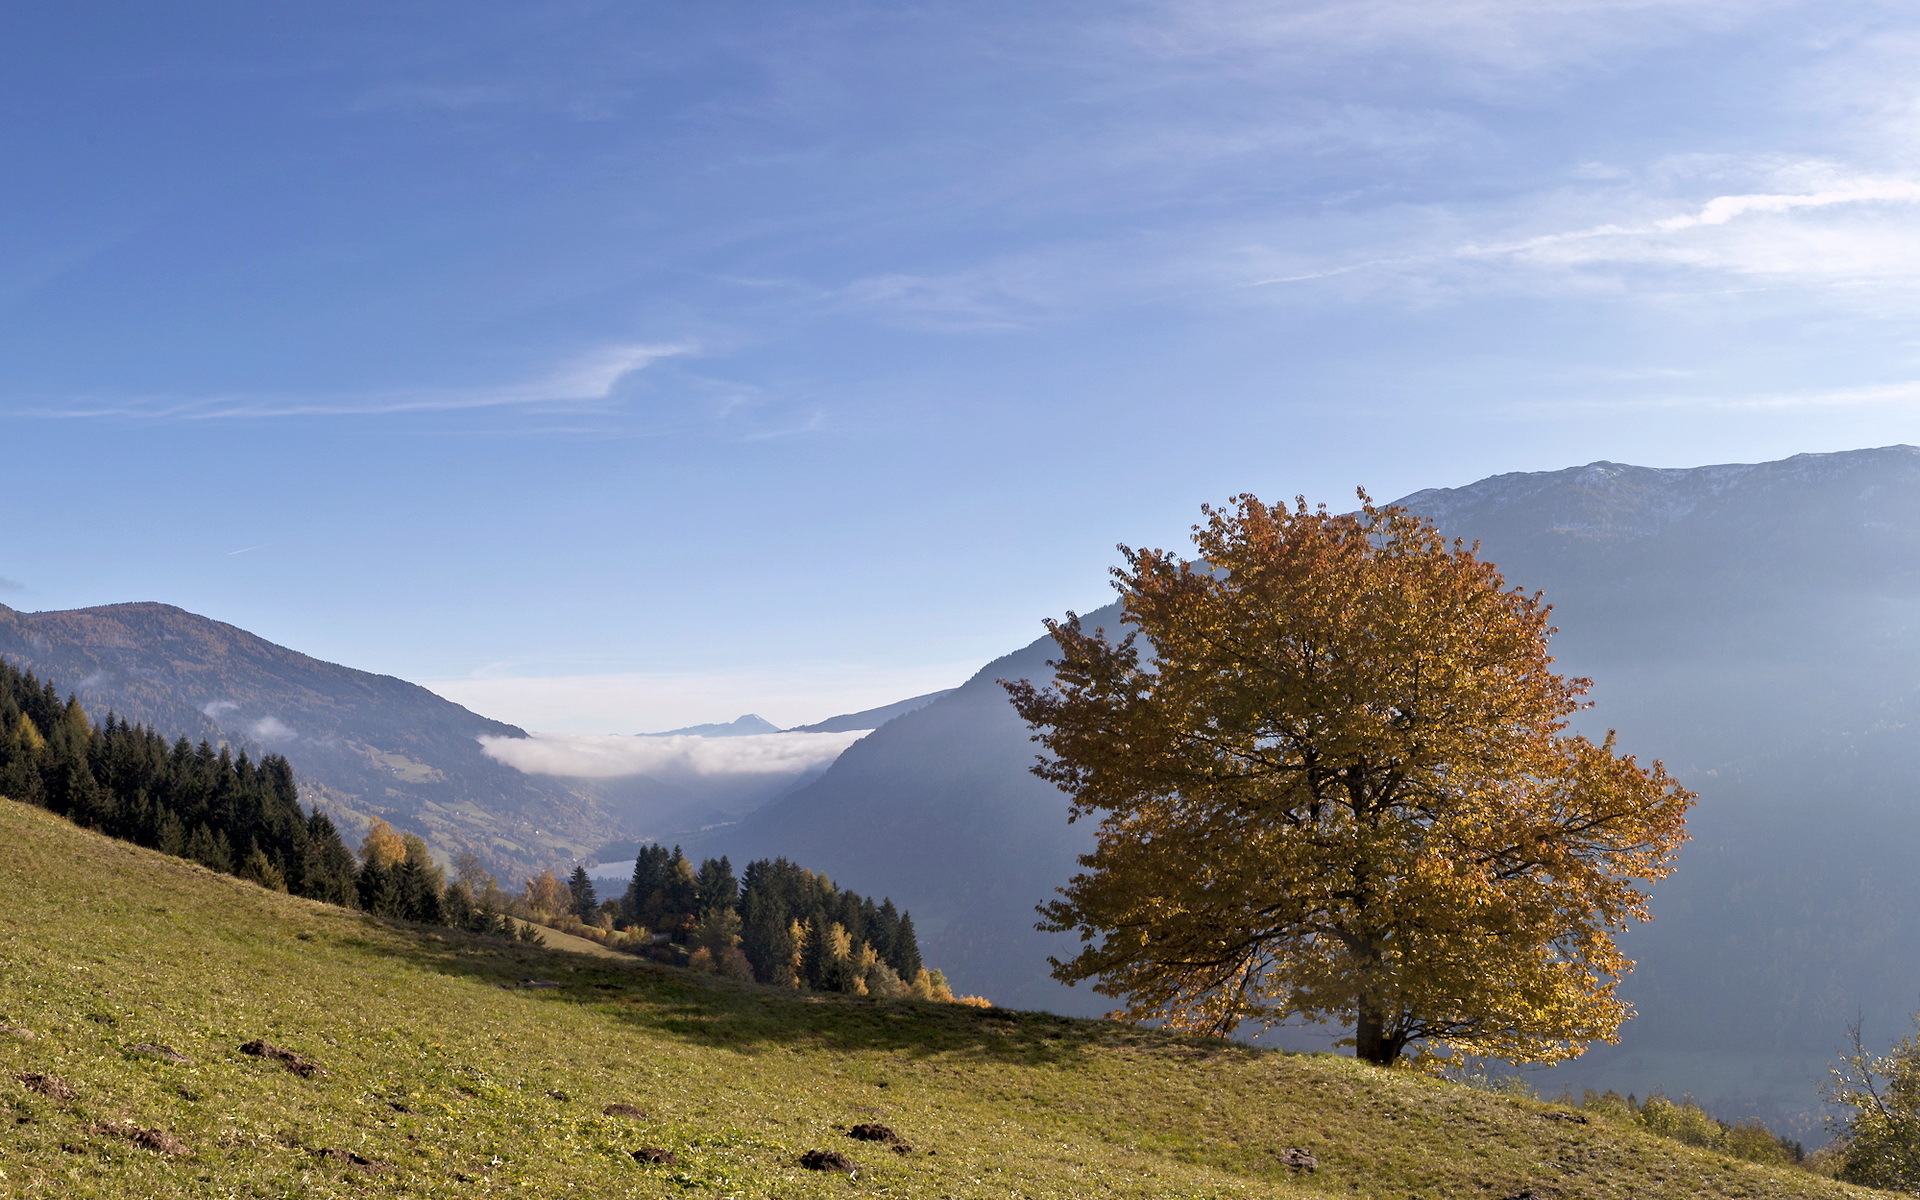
742	726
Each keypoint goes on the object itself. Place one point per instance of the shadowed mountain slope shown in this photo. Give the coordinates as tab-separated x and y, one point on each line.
1756	626
361	744
871	718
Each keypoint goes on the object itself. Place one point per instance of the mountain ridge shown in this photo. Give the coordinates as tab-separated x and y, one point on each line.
363	745
1757	626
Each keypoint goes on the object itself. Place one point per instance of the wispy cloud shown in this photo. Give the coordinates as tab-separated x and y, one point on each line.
1722	209
11	586
1850	229
1884	395
591	379
1509	36
610	756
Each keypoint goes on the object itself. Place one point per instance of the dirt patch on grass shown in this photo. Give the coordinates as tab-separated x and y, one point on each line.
155	1050
157	1140
628	1111
1298	1160
655	1156
50	1086
828	1160
873	1131
299	1064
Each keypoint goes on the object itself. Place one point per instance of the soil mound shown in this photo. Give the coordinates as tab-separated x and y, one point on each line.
299	1064
873	1131
828	1160
50	1086
157	1140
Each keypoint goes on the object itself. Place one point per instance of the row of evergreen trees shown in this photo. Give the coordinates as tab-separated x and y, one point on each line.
222	810
219	809
779	922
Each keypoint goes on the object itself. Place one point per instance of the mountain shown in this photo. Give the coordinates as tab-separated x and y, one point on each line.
745	726
871	718
1756	626
362	745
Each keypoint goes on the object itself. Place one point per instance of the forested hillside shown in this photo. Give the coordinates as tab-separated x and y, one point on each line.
362	745
220	809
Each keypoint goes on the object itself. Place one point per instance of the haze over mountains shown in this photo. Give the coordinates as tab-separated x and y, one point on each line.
367	745
1755	626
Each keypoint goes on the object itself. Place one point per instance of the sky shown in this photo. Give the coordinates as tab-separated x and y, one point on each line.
621	366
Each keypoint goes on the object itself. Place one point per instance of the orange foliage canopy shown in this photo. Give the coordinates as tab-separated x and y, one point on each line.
382	845
1331	765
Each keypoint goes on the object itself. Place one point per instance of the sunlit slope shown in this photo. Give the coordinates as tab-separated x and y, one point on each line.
446	1077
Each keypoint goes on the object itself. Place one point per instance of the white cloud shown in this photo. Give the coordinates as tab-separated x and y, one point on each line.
585	381
271	729
1831	229
1721	209
609	756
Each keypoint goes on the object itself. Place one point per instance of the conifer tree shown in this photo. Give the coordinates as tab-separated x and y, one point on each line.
457	906
418	893
379	890
260	869
905	959
716	885
582	901
646	892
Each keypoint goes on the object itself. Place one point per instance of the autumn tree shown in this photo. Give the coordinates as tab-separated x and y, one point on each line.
383	845
546	897
1331	763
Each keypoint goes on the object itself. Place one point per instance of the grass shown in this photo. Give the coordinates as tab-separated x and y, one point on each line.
453	1079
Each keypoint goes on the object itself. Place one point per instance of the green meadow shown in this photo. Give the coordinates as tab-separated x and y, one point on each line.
458	1066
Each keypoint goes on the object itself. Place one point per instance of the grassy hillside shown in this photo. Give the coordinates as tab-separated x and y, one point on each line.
444	1074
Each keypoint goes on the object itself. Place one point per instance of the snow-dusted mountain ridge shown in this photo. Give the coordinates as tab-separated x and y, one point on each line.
1608	500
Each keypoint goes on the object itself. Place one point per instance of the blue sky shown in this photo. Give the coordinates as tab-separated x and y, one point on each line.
622	366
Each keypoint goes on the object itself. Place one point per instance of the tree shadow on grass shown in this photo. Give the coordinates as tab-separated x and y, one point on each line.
755	1018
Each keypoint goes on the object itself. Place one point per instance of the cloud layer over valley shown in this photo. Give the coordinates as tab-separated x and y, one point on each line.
607	756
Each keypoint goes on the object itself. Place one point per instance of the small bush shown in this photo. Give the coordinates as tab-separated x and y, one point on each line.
1682	1121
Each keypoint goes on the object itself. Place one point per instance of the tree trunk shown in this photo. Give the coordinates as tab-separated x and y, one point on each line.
1371	1041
